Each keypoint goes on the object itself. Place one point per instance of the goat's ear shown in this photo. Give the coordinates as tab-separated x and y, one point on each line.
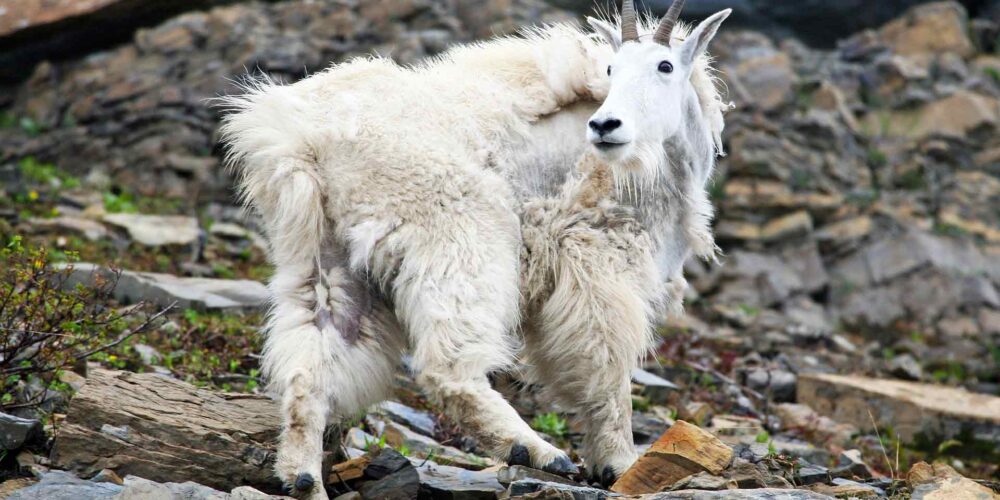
697	41
610	33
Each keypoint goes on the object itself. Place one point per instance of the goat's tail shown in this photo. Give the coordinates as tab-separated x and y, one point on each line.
271	150
277	168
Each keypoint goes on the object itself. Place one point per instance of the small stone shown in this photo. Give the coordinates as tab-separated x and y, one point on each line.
348	471
248	493
419	421
107	476
843	488
780	384
533	488
683	450
442	481
787	227
357	438
752	452
149	354
647	427
87	228
397	436
16	431
510	474
229	230
850	464
696	411
156	230
808	473
384	462
401	485
654	387
703	481
906	367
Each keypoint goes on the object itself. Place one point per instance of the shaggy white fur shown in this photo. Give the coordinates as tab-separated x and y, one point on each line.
391	200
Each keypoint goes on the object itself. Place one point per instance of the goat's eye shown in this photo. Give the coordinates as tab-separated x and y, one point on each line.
665	67
609	70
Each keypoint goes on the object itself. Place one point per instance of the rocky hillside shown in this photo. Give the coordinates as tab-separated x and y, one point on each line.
849	336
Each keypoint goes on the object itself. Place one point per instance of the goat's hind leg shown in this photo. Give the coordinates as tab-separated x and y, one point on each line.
325	362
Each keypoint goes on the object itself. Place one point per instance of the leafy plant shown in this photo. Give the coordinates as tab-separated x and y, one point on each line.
550	423
46	173
47	324
119	203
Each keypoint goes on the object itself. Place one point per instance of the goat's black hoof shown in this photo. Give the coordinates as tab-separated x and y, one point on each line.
561	466
608	476
519	455
304	482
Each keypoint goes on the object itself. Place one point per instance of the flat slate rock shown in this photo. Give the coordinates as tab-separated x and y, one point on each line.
750	494
156	230
910	408
60	485
162	429
189	293
556	490
443	481
15	431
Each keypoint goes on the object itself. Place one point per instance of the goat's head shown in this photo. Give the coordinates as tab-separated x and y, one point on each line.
648	82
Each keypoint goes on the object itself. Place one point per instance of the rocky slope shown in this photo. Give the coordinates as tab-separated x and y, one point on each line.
855	310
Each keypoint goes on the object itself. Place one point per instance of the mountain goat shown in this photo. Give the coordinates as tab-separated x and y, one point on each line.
391	199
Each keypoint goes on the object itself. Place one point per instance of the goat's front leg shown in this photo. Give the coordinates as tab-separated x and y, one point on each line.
591	289
583	349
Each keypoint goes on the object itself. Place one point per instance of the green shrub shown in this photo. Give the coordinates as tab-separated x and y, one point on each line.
47	326
550	423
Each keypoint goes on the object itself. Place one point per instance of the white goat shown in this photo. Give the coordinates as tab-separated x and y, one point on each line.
391	197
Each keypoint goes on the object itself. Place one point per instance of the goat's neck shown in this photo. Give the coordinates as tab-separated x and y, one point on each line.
663	203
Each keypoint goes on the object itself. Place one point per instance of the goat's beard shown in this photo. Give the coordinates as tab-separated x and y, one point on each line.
637	170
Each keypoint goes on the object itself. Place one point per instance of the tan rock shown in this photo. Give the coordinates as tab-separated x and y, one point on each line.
942	482
766	80
978	228
804	421
683	450
9	486
349	470
953	116
845	231
910	408
20	15
928	30
829	98
788	226
729	229
923	473
846	490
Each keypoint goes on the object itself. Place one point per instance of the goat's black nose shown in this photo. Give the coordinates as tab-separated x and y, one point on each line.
604	126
